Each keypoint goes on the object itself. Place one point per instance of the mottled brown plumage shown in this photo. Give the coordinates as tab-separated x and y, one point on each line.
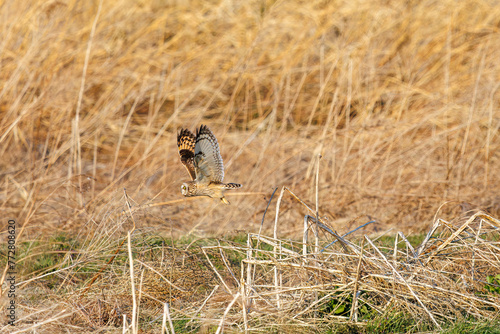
186	142
201	156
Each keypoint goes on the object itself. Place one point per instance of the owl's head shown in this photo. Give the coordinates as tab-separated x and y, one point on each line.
185	189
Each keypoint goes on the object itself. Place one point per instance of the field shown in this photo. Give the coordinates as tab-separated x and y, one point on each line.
332	114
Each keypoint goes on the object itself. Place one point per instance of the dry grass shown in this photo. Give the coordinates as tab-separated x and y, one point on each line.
400	98
269	283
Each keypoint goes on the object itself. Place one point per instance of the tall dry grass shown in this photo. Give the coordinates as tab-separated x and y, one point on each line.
400	98
268	283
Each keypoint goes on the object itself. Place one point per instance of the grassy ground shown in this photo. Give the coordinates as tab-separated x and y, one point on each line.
400	98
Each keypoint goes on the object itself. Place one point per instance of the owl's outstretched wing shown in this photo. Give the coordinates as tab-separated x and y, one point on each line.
186	142
207	159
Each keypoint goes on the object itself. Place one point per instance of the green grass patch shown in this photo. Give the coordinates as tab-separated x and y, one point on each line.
470	326
493	283
397	322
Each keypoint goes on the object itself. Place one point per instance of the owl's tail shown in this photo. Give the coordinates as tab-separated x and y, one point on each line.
228	186
232	185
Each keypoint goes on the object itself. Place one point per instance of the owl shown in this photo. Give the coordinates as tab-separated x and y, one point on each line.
201	157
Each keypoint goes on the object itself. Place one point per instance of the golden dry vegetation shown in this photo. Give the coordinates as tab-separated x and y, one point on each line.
400	98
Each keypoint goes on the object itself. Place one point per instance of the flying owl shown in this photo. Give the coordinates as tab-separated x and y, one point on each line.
201	156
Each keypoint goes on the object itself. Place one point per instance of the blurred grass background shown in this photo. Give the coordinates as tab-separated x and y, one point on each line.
400	98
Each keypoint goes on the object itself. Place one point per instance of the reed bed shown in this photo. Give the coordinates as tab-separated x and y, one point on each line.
399	98
272	283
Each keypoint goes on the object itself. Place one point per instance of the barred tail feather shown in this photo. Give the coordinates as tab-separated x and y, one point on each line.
232	186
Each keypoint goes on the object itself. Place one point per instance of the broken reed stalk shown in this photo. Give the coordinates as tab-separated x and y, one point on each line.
316	239
275	235
132	282
164	320
166	310
452	237
305	237
316	225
